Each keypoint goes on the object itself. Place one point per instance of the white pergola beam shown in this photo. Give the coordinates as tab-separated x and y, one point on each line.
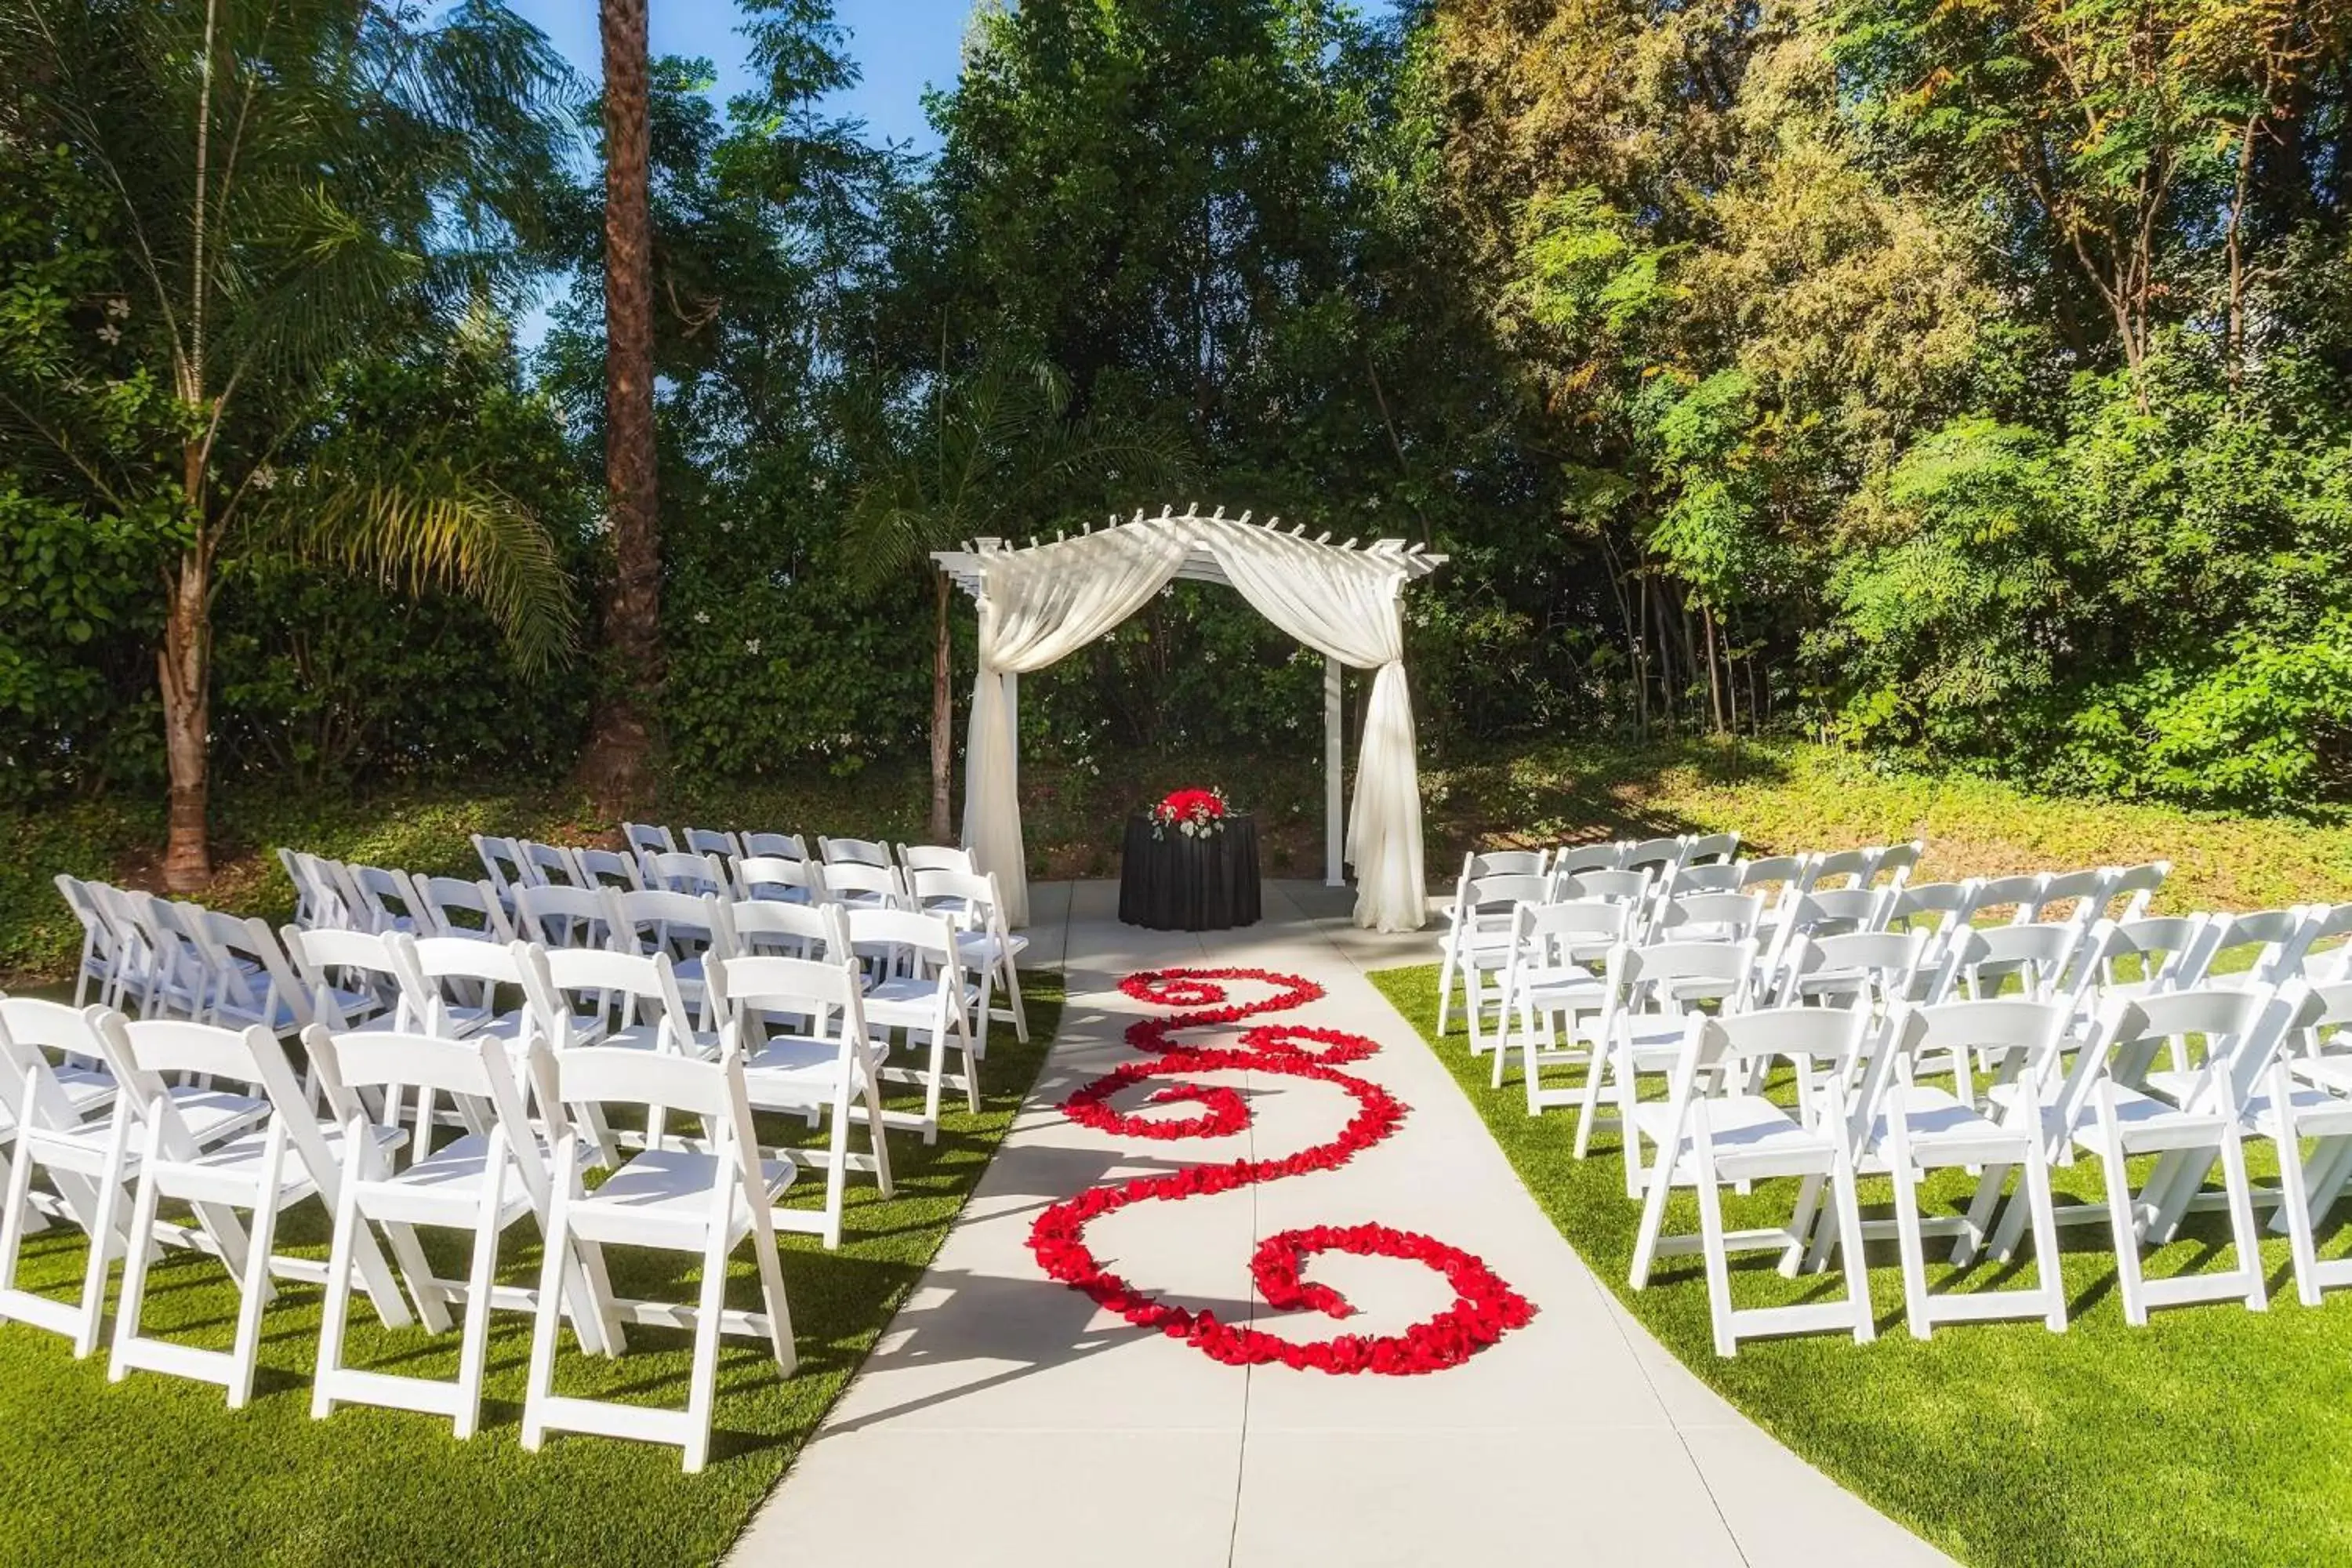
1335	835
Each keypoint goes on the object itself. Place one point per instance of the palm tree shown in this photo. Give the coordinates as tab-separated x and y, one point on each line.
288	185
621	742
994	451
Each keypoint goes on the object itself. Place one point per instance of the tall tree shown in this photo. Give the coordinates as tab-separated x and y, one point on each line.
285	183
620	748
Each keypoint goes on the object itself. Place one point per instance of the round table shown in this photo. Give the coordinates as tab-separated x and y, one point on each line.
1179	883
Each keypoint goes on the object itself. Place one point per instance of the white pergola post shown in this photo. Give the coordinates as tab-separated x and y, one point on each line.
1335	831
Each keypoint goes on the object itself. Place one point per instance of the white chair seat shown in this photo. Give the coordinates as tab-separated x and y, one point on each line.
979	949
1752	1136
2148	1124
2317	1114
445	1186
796	1069
648	1038
663	1196
228	1173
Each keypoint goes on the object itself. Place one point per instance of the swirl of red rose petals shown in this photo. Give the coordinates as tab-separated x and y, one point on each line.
1485	1307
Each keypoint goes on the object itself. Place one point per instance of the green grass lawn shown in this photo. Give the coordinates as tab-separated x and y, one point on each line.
2214	1435
158	1469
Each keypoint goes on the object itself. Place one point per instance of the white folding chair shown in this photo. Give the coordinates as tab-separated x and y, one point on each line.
482	1182
1706	917
2262	949
583	997
701	1203
1552	975
860	886
683	925
387	901
252	980
2074	895
350	978
103	948
265	1172
1896	862
778	929
1477	940
2020	896
452	986
1909	1131
1845	870
1651	994
916	985
2308	1095
1715	877
1783	872
1659	857
1717	1126
974	905
1938	907
46	1110
831	1071
2097	1112
1870	970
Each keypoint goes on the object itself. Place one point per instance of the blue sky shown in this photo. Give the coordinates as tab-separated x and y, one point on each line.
900	46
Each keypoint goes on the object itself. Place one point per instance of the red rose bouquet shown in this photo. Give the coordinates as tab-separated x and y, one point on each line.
1194	813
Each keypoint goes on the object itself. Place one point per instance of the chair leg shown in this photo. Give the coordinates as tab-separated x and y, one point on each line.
1717	1266
1855	1263
1444	991
473	1350
256	1294
548	1321
2119	1212
1917	1314
2243	1231
140	1249
702	1394
2045	1241
334	1312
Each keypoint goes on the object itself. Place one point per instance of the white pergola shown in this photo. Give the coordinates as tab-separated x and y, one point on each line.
1310	583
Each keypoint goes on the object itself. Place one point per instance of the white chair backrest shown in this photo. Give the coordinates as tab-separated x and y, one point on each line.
252	981
2066	895
503	863
756	987
146	1055
653	920
784	846
1880	964
1846	868
2130	1031
1723	877
2173	950
1709	848
1497	896
2326	966
1663	975
1731	1053
1944	905
1565	932
855	882
2135	885
713	841
476	1076
334	963
966	898
1897	862
774	877
451	906
1617	886
1717	916
1658	855
608	868
2019	1037
1588	857
2278	939
31	1030
619	988
645	838
99	942
682	871
914	858
852	852
776	928
2043	954
1506	863
907	941
551	864
2009	900
1778	871
563	917
431	963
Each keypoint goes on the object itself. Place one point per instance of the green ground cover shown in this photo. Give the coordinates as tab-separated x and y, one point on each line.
157	1469
2211	1435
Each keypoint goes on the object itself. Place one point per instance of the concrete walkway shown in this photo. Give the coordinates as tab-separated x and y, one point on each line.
1004	1419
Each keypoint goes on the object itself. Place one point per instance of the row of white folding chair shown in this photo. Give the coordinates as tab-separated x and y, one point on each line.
644	837
971	903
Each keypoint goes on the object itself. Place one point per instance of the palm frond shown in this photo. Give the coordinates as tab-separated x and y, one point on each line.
422	523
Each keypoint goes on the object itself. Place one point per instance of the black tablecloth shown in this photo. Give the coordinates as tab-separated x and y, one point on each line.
1176	883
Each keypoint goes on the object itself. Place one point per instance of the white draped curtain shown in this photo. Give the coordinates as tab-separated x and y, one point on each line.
1038	605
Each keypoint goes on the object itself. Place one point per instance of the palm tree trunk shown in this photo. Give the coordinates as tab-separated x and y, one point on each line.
942	719
184	668
617	764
